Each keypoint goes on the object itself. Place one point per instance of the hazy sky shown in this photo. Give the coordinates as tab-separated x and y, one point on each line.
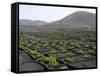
47	13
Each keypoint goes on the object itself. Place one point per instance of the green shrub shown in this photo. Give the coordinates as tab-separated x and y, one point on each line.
87	56
69	59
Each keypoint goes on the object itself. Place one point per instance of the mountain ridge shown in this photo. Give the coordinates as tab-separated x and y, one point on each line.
77	19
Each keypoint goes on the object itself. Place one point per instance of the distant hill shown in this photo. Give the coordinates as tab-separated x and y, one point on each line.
26	22
75	20
80	19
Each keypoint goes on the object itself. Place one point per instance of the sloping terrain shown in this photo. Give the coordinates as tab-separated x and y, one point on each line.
26	63
69	43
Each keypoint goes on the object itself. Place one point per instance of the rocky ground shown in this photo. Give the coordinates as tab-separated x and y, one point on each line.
26	63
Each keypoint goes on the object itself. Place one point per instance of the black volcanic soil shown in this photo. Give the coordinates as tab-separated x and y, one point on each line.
28	64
